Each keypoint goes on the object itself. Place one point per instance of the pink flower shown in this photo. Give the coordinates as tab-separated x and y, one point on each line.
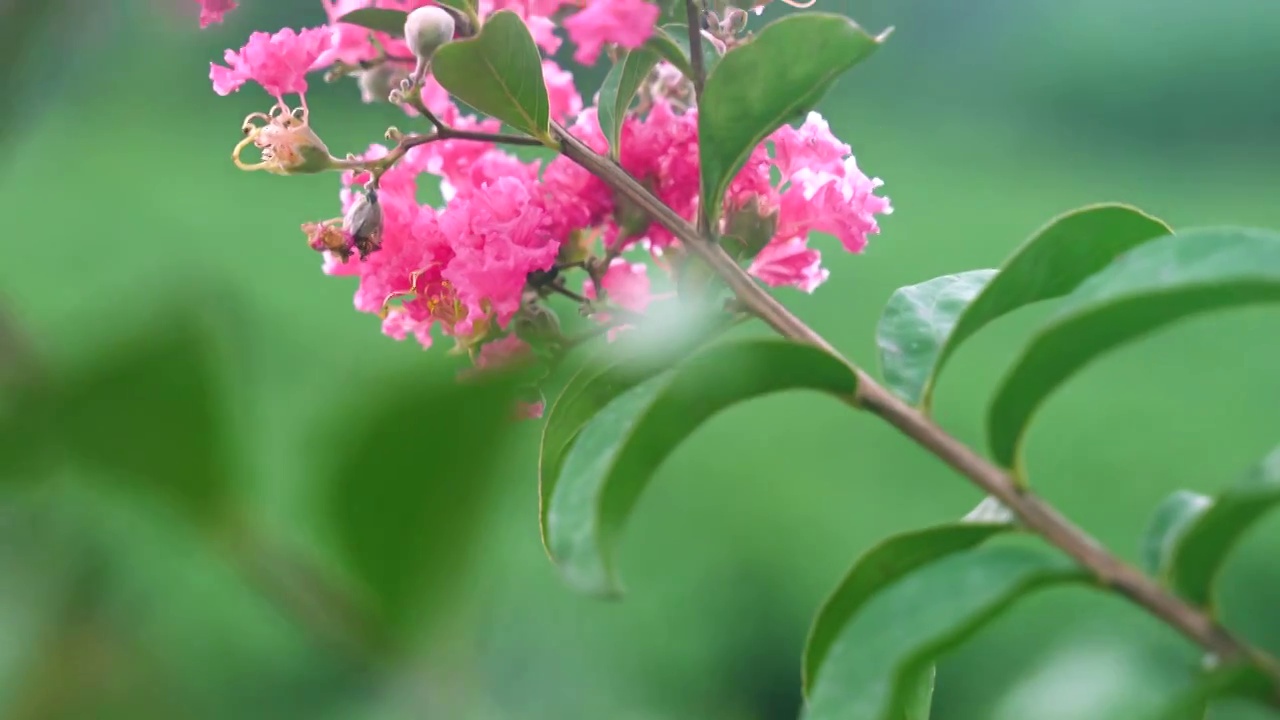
810	147
842	204
279	63
498	236
564	98
503	352
626	283
211	11
627	23
352	43
530	410
789	262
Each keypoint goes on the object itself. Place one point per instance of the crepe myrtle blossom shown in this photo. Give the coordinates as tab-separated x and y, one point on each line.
510	236
212	11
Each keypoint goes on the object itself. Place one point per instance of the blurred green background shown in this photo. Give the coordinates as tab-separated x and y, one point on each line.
984	118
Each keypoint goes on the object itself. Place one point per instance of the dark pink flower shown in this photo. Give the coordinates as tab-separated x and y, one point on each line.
565	101
279	62
789	262
211	11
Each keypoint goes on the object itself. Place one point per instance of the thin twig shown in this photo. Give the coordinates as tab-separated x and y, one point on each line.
1108	570
695	48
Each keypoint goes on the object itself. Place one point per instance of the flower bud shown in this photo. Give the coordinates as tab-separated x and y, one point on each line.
363	222
748	229
377	82
426	29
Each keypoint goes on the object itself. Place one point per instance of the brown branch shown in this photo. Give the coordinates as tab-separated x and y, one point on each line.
696	61
1036	515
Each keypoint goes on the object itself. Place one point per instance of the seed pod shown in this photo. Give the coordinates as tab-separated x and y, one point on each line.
426	29
363	222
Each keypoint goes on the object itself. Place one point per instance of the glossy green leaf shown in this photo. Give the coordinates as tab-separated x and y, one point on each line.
619	89
1192	535
1152	286
878	568
639	355
1051	263
404	489
751	93
1168	522
915	325
499	73
613	458
918	703
387	21
905	626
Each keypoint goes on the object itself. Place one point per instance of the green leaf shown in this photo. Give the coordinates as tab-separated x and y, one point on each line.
619	89
1152	286
752	92
1050	264
1168	522
466	7
634	359
878	568
1191	535
918	704
672	43
150	414
915	325
616	453
499	73
1243	681
881	651
387	21
404	488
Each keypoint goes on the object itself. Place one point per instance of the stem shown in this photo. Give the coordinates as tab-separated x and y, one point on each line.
695	48
1036	515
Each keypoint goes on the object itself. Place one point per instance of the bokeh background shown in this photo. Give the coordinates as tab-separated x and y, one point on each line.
122	212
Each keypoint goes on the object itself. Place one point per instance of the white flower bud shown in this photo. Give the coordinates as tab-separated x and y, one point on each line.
426	29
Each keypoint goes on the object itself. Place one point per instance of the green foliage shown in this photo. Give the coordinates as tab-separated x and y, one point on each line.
405	488
387	21
775	78
619	89
1151	286
672	43
1229	681
924	324
876	660
878	568
638	356
148	415
915	325
1191	535
499	73
617	452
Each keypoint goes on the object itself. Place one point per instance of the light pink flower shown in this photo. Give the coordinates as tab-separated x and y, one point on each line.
352	43
503	352
810	147
626	283
789	262
843	205
279	62
627	23
563	94
211	11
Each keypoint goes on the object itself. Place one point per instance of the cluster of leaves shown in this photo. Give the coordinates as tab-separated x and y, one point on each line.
1117	273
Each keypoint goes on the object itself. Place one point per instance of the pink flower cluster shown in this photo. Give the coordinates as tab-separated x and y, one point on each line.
468	269
625	23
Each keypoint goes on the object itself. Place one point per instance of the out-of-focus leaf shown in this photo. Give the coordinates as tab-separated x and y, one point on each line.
915	325
1231	681
387	21
1050	264
878	568
1191	535
751	92
918	704
406	486
901	630
499	73
619	89
636	357
615	454
26	28
1153	285
151	412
